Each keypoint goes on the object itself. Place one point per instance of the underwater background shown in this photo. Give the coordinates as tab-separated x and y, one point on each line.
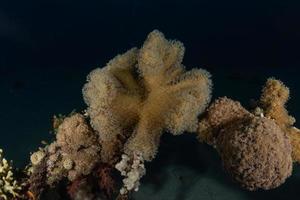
48	47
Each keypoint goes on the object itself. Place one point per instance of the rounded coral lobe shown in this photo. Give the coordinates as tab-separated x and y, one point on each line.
255	152
225	110
75	133
220	113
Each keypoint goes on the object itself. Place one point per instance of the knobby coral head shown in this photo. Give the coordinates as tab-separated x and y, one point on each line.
142	92
254	150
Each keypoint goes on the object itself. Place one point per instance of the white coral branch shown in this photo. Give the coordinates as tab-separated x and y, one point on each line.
132	171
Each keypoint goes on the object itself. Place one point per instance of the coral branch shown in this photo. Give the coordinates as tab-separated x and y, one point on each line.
10	188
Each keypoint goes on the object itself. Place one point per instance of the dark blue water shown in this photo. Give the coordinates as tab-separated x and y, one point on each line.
68	33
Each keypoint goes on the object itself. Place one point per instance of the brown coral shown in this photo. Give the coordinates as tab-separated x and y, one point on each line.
106	182
273	99
81	189
74	134
294	135
255	152
142	92
75	151
221	112
37	180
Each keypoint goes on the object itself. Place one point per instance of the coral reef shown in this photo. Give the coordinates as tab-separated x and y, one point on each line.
131	102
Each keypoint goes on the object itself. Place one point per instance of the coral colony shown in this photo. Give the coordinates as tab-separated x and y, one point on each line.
100	153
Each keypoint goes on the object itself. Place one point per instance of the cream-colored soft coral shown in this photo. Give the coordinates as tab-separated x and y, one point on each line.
113	96
143	92
273	99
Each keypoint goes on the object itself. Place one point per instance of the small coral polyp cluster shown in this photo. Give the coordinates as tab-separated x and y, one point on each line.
100	153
